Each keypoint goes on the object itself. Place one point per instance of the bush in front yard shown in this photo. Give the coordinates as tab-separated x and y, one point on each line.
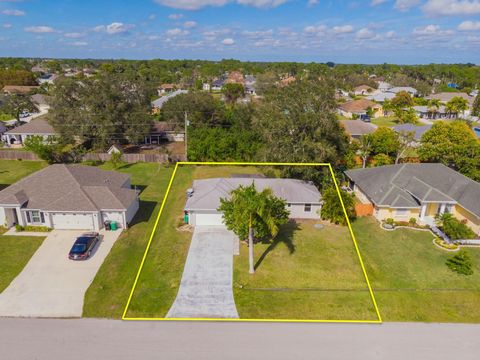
332	209
32	228
461	263
454	228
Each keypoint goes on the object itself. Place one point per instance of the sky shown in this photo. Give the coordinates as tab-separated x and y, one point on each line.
342	31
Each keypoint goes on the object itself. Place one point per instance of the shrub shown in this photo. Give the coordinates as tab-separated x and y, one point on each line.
412	221
390	221
36	228
442	243
461	263
454	228
18	228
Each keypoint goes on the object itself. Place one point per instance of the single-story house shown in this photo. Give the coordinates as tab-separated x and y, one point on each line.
407	89
417	130
357	128
383	86
36	127
203	199
433	113
158	103
206	87
3	129
162	131
360	107
445	97
47	79
217	84
418	191
18	89
41	102
69	197
381	96
363	90
166	88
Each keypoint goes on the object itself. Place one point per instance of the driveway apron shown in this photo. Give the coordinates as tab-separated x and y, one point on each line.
206	286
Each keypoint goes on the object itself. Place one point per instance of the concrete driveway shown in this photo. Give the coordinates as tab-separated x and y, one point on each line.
51	285
206	286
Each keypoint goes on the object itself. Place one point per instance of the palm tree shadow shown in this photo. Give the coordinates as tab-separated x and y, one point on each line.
285	236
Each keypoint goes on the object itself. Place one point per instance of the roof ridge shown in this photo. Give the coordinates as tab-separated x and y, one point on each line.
432	188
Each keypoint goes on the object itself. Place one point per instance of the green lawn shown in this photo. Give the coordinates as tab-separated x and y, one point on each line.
160	278
15	252
388	121
14	170
410	279
306	273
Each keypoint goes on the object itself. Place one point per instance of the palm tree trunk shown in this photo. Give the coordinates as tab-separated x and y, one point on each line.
250	249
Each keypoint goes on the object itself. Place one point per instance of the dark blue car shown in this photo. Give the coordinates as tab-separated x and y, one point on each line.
83	246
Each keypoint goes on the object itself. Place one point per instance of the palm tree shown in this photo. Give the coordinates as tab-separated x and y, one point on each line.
456	105
364	149
433	106
252	213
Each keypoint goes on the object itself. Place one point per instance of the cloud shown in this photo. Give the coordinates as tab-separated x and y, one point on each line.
79	43
177	32
13	12
405	5
451	7
469	26
228	41
344	29
7	26
152	17
390	34
39	29
377	2
317	30
190	24
198	4
431	31
114	28
74	35
175	16
312	3
365	34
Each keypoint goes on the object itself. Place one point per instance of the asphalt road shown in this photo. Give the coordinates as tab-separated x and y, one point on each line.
110	339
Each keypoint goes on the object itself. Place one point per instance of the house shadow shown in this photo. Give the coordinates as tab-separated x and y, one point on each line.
144	212
285	236
140	188
3	186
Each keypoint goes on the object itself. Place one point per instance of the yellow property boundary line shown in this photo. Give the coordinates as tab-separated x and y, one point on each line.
124	316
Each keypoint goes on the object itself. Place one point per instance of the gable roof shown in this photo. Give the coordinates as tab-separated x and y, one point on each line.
208	192
37	126
70	188
358	105
447	96
413	184
417	130
357	127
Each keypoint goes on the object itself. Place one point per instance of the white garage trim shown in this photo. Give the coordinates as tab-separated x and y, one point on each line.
77	221
111	215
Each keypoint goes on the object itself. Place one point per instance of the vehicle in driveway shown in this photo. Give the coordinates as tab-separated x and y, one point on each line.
83	246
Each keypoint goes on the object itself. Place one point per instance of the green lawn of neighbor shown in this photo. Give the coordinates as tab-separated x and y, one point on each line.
107	295
306	273
160	278
410	279
388	121
15	252
13	170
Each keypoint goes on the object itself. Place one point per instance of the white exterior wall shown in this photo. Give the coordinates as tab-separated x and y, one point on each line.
116	216
68	221
297	211
132	210
3	218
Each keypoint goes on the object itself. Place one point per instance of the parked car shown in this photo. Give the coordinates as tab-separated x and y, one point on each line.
24	114
365	118
83	246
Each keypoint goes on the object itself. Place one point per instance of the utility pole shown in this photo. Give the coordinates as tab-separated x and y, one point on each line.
186	136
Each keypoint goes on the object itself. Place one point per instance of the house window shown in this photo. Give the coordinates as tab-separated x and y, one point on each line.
307	208
402	212
35	217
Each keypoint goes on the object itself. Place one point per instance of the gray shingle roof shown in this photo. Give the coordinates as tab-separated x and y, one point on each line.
37	126
207	192
357	127
411	184
70	188
418	130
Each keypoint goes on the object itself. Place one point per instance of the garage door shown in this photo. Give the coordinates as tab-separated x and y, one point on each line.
208	219
113	216
73	221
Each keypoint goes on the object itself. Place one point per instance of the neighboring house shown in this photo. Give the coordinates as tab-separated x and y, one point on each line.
3	129
235	77
165	88
359	108
41	102
303	198
158	103
69	197
162	131
363	90
206	87
408	89
115	149
287	80
36	127
357	128
428	112
381	96
47	79
445	97
250	83
217	84
417	130
17	89
383	86
418	191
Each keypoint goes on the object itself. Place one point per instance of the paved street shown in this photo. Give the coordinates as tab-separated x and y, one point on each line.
52	339
206	286
51	285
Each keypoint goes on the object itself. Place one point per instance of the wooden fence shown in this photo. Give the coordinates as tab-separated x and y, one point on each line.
17	155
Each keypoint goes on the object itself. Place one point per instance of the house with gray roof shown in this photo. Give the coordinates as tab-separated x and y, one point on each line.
357	128
304	201
418	131
69	197
36	127
418	191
